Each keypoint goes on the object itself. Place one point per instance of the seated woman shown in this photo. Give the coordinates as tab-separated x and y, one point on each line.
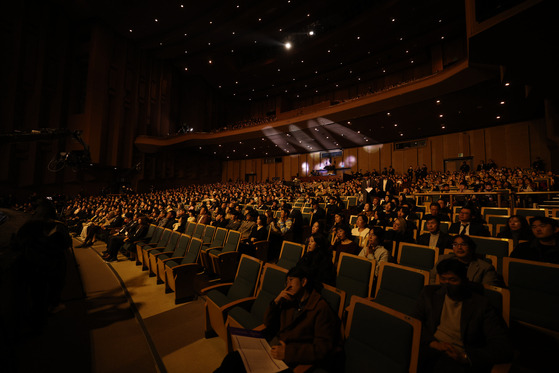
517	229
317	227
374	249
318	260
343	243
361	232
478	269
398	233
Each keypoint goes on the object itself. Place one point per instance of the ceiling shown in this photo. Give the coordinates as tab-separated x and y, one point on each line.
238	48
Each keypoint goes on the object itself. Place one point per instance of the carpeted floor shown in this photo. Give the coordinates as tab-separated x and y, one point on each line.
125	323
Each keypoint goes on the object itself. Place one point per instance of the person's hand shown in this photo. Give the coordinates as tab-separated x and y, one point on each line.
285	295
278	351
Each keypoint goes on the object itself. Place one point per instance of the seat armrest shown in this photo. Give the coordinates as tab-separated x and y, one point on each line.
238	302
219	287
164	252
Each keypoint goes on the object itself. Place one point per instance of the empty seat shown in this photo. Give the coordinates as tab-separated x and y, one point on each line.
355	275
249	312
418	256
534	292
179	275
379	339
177	255
220	298
399	287
290	254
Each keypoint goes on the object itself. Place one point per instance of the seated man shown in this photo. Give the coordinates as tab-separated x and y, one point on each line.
434	209
435	238
461	332
303	327
467	225
545	245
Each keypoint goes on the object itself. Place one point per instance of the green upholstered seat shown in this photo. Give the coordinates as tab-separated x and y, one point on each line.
355	275
399	287
290	254
534	292
380	340
417	256
273	282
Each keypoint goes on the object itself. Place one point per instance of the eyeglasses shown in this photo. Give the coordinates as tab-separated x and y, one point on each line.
460	244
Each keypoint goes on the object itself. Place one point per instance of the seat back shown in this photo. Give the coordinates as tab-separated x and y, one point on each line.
534	291
499	299
352	201
151	229
307	210
353	220
199	230
208	234
182	246
219	238
193	251
162	242
232	242
173	240
368	347
156	235
190	227
355	275
290	254
246	278
272	283
499	211
496	221
418	256
500	247
335	298
529	212
307	216
399	287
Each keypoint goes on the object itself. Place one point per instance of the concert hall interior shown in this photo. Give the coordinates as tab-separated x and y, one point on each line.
115	100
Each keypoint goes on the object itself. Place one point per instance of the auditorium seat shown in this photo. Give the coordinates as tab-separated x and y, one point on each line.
399	287
380	339
355	275
222	297
179	275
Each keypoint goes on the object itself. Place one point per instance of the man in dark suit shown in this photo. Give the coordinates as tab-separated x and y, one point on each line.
467	225
461	332
367	188
385	185
435	238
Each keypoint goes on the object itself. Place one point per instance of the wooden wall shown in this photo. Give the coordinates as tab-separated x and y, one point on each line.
509	145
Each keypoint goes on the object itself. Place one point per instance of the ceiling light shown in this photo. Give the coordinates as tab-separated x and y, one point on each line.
311	33
210	61
186	69
440	115
438	102
287	45
388	114
393	19
498	117
442	37
182	6
502	102
156	20
130	30
395	124
507	84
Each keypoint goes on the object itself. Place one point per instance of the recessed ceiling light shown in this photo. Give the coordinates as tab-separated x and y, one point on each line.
130	30
395	124
507	84
287	45
156	20
182	6
502	102
440	115
311	33
498	117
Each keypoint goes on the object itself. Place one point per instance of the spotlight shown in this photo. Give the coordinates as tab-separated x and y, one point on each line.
287	45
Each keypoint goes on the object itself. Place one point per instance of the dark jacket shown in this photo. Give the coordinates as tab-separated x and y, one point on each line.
311	336
484	332
535	251
444	241
476	229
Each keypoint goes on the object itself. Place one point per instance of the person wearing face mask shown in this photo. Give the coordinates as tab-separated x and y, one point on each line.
461	332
